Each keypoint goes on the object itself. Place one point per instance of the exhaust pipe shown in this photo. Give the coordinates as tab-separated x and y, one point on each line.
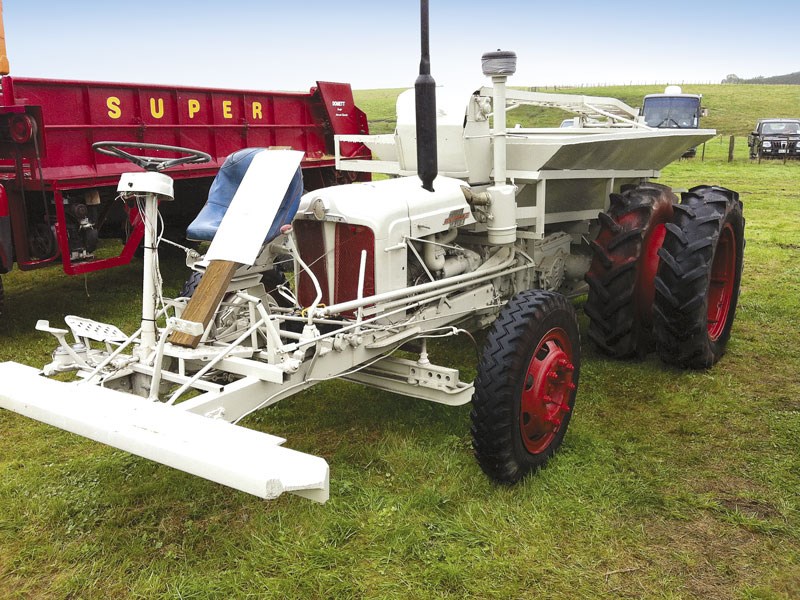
425	96
499	65
503	207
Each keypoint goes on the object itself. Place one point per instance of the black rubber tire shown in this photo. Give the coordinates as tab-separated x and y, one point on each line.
621	275
271	280
697	269
190	285
498	423
2	297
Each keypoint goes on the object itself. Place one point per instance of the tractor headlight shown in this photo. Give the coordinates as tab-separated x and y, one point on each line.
318	209
766	144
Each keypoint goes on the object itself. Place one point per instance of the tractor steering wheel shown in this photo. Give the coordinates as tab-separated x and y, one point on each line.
152	163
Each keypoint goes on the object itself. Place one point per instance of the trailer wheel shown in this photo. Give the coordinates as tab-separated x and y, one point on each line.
526	385
622	273
697	286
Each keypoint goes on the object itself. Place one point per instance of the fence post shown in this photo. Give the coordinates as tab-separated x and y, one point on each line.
730	149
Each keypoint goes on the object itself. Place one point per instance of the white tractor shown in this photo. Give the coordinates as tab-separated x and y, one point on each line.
480	225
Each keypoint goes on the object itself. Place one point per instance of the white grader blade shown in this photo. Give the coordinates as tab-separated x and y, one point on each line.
241	458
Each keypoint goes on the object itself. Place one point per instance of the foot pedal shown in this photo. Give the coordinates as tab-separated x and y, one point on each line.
99	332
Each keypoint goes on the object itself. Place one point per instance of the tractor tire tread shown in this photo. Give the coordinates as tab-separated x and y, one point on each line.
492	413
680	312
612	277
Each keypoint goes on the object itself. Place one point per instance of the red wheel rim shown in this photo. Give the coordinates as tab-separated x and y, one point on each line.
720	289
546	391
648	267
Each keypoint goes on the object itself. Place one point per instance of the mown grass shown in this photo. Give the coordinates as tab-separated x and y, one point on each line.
670	484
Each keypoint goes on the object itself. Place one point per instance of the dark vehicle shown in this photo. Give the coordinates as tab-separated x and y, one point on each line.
775	138
673	110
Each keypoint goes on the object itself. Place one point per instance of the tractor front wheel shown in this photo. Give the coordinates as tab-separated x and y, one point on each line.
697	286
526	385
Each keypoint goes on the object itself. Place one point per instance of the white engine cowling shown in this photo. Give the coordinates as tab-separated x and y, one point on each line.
334	225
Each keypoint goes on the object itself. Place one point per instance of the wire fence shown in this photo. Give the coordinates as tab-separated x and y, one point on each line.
577	86
737	148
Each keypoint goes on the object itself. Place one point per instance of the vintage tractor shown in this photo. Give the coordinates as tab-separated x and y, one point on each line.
482	226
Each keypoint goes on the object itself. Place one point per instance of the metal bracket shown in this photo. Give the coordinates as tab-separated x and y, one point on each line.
410	378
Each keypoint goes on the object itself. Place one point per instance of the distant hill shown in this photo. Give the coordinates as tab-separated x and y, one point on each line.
790	79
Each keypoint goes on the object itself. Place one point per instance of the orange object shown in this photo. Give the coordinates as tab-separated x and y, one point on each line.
4	68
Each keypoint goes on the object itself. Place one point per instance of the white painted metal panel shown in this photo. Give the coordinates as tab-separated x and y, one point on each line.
241	458
249	217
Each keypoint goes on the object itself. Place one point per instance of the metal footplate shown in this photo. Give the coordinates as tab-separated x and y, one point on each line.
94	330
241	458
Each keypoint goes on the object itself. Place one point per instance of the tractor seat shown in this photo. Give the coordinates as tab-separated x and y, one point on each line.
223	189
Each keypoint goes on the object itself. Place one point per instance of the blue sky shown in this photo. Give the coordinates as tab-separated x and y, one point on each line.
375	44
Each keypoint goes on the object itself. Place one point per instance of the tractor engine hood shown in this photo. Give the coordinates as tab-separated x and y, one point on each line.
394	208
394	211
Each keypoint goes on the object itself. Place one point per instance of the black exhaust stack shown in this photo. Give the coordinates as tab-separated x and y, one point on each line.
425	92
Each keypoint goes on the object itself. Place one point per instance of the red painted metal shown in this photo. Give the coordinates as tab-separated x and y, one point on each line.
723	275
648	267
310	237
5	233
67	117
351	240
655	231
546	391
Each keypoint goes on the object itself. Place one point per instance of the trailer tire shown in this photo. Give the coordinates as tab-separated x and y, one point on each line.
526	385
271	280
622	273
697	286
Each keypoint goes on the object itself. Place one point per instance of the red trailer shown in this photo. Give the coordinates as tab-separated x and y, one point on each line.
57	195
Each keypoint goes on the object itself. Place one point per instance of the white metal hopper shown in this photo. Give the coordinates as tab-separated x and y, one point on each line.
599	149
621	142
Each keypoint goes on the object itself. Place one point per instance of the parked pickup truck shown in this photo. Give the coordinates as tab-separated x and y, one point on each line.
775	138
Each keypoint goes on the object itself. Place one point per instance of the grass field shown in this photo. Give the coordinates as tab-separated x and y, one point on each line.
670	484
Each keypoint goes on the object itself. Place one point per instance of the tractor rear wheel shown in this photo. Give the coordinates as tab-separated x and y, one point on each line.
526	385
621	276
2	297
697	286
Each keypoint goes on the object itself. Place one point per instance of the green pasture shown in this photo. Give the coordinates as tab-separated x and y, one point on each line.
670	484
